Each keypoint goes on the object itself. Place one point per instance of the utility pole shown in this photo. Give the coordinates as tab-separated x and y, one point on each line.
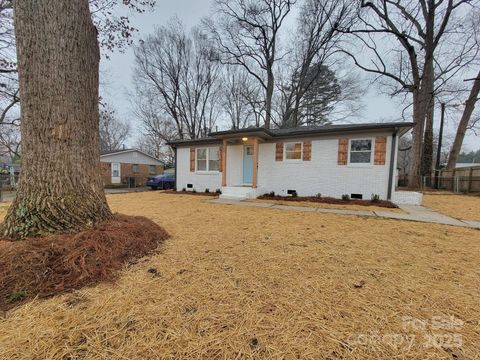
439	150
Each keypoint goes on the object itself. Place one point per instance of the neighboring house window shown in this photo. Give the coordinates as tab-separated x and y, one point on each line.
135	168
152	169
360	151
293	151
208	159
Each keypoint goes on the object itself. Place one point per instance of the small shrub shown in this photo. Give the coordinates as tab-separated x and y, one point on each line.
184	190
294	194
194	190
271	194
375	198
346	197
218	191
207	190
319	195
17	296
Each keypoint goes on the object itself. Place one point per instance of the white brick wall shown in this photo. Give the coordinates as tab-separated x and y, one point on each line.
200	181
320	175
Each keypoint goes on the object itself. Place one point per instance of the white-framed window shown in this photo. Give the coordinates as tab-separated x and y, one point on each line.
360	151
152	169
293	151
135	168
208	159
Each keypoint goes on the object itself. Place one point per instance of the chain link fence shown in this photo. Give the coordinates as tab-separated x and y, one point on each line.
460	180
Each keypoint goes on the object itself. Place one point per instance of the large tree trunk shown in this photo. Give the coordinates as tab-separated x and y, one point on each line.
269	98
60	188
422	96
414	177
462	126
427	154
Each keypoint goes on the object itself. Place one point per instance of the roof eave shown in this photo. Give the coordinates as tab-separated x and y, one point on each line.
266	134
194	142
131	150
367	128
228	134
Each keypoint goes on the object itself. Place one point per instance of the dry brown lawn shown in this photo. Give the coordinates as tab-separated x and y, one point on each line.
464	207
242	282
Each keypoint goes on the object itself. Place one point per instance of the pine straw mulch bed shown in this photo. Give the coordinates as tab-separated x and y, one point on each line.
47	266
330	200
238	282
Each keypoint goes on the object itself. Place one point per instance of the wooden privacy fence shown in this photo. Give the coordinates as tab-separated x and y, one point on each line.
461	180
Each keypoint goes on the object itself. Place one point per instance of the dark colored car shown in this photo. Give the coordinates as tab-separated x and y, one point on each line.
166	181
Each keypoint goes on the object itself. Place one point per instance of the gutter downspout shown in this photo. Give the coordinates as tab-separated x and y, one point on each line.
175	164
392	164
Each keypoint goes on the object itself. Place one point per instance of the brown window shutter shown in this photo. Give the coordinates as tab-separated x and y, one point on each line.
307	150
279	151
192	159
380	150
342	151
220	158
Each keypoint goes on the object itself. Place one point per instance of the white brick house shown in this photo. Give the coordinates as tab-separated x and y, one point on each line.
332	160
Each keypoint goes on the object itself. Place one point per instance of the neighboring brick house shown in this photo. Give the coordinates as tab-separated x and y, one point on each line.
332	160
121	166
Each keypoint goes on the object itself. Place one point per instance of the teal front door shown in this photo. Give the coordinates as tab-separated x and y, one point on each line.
247	164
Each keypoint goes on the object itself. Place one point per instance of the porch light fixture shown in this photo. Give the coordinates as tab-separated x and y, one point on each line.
245	139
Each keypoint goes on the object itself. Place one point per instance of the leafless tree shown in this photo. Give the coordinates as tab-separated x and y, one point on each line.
474	124
156	127
176	68
9	98
113	131
315	43
422	31
256	104
156	146
246	33
237	91
10	142
468	120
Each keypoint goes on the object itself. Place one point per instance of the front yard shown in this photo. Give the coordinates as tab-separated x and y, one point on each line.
245	282
464	207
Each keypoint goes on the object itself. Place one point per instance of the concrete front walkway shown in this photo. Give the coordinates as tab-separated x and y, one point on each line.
412	212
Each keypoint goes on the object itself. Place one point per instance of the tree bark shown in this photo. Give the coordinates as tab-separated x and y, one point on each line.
414	178
60	188
462	126
427	154
269	97
422	97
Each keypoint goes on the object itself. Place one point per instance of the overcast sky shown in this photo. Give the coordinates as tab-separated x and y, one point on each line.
117	72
